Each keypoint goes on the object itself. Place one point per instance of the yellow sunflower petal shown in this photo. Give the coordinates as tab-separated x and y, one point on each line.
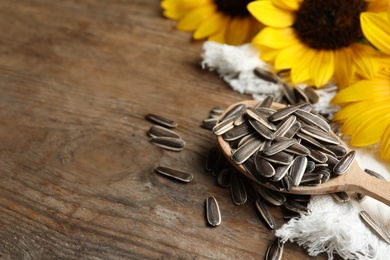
365	60
371	130
362	90
322	68
184	5
376	28
195	17
351	109
352	123
300	71
174	15
238	31
268	54
270	15
289	56
276	37
343	67
385	148
291	5
211	26
220	36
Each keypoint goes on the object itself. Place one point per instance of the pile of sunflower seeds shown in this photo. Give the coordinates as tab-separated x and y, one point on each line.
285	147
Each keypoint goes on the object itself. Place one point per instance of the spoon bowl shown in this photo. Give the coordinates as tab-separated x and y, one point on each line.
354	179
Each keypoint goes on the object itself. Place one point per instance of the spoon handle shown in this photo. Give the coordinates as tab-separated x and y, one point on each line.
359	181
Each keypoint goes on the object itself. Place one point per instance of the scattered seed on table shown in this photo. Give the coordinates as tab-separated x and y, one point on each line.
176	174
213	213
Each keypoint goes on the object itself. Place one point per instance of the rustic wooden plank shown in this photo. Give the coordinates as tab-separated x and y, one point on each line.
77	174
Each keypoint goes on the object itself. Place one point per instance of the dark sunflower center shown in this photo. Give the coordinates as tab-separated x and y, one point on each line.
233	8
330	24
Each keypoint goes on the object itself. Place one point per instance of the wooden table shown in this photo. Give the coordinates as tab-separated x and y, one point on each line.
76	166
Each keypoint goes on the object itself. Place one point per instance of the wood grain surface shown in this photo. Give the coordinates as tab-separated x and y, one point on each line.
77	176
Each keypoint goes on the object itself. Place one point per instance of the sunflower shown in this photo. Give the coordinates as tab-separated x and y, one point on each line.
316	40
366	114
223	21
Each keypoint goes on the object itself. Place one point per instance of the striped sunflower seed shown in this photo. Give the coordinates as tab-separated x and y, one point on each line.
296	206
312	119
213	213
345	163
237	132
297	170
266	75
234	112
275	250
162	120
312	95
289	94
223	126
319	134
283	113
266	103
246	150
261	129
374	226
264	167
341	196
176	174
274	197
265	213
237	189
160	131
286	125
168	143
258	116
278	147
223	178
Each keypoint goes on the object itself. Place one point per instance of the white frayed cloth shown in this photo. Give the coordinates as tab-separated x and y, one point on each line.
331	227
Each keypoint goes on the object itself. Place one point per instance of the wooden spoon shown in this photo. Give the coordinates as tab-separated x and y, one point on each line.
355	179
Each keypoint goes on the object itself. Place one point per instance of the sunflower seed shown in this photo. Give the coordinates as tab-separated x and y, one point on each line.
251	190
305	107
332	161
286	182
289	93
341	196
266	103
310	166
312	95
223	126
279	158
159	131
264	167
375	174
176	174
266	75
237	132
317	156
223	178
265	213
275	250
261	129
312	119
169	143
209	123
345	163
240	118
285	126
297	149
282	113
374	226
300	94
250	167
298	168
296	206
217	111
338	150
293	130
247	150
265	110
253	113
247	138
318	134
234	112
280	172
278	147
162	120
360	197
237	189
274	197
212	211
